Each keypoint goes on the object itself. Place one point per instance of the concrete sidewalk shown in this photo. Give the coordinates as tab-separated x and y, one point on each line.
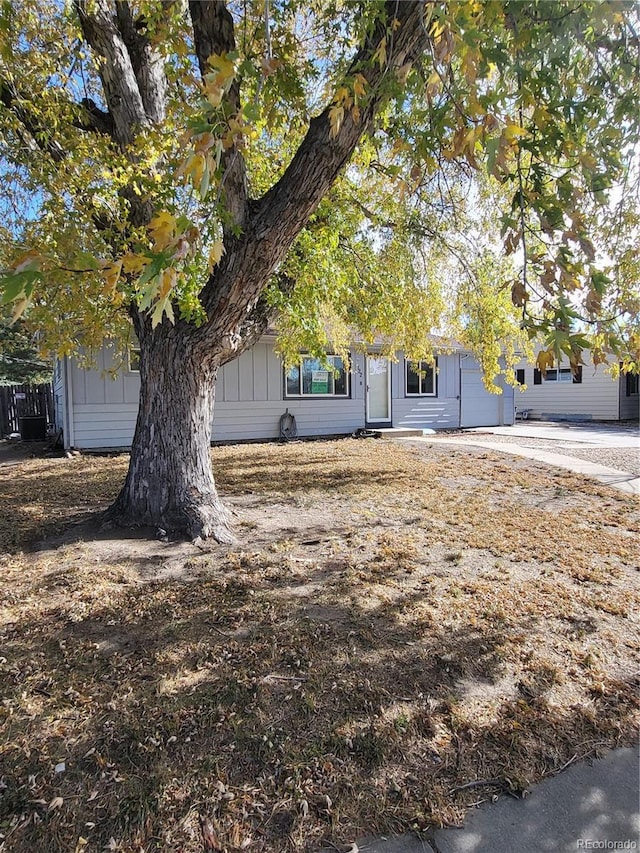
589	806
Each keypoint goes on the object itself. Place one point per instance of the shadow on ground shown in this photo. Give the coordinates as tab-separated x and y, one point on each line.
237	702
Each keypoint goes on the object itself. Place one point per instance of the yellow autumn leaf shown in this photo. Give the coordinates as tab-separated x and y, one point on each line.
197	165
111	274
336	116
381	53
359	85
469	139
213	91
204	141
224	66
544	360
215	254
133	263
162	307
541	116
167	282
514	131
162	229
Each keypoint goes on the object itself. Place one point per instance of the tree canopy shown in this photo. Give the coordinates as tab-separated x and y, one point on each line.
139	139
19	360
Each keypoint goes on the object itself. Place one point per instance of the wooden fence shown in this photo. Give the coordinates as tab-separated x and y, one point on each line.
18	401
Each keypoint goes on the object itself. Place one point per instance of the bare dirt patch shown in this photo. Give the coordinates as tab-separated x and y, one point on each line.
397	622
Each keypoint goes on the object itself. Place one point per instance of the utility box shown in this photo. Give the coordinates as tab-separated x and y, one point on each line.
33	428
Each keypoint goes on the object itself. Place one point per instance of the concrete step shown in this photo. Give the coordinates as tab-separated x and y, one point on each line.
399	432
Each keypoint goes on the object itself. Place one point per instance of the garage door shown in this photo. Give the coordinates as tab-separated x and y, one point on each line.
478	406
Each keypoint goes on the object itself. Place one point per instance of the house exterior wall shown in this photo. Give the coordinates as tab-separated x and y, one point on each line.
257	377
597	397
250	400
478	407
629	403
441	411
249	403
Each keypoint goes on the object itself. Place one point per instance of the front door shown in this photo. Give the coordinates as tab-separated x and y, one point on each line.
378	396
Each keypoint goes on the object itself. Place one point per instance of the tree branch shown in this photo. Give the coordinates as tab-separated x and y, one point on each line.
39	133
233	291
97	120
213	33
323	154
147	64
119	81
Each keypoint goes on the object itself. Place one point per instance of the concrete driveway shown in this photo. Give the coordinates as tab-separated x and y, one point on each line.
598	434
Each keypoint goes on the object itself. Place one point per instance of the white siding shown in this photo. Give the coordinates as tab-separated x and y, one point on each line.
480	407
104	426
595	398
439	412
477	406
629	405
105	409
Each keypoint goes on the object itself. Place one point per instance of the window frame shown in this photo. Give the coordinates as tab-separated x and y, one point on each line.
301	395
427	367
632	383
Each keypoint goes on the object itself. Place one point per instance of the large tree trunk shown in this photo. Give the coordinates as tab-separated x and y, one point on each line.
170	482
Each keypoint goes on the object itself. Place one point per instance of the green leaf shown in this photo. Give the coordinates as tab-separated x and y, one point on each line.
20	285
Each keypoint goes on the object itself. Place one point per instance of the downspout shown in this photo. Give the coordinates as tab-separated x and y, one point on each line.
69	438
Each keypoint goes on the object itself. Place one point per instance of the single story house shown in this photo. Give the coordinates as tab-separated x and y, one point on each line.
98	412
590	394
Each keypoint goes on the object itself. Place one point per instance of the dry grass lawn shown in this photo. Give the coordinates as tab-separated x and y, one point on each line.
397	622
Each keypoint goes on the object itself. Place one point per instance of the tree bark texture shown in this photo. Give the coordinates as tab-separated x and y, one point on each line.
170	482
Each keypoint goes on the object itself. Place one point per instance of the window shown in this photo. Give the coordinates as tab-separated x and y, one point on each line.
520	376
420	379
558	374
632	384
564	374
312	378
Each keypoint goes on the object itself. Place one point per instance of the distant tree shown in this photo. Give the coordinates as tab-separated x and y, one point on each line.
204	169
20	363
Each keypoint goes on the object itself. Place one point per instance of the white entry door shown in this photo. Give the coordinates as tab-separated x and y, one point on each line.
378	396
